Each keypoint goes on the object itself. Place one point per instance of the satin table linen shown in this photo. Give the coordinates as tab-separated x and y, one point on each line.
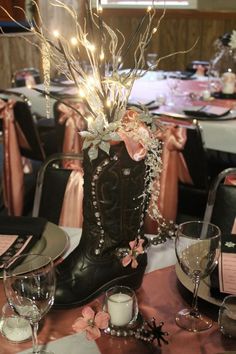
218	135
158	296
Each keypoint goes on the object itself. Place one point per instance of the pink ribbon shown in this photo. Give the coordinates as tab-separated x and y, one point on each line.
134	138
13	175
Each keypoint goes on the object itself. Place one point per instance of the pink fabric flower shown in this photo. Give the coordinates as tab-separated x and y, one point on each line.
91	322
136	248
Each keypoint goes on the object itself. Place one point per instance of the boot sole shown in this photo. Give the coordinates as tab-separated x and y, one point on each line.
133	281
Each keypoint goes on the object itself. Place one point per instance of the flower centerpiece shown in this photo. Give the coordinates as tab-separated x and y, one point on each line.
121	152
224	59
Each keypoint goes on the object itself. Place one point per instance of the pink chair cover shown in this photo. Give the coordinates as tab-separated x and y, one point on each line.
13	175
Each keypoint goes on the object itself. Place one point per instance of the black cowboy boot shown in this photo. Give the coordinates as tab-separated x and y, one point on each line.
113	212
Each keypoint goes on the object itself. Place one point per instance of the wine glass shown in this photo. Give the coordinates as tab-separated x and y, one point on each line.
197	247
29	283
151	60
173	82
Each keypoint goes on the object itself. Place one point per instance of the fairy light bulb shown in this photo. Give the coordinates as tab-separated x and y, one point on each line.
99	9
56	33
154	30
74	40
149	8
102	56
81	93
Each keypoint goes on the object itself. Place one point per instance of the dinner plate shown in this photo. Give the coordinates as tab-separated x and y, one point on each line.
204	288
53	242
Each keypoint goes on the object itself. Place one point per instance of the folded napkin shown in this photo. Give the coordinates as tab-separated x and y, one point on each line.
227	268
18	234
73	344
208	111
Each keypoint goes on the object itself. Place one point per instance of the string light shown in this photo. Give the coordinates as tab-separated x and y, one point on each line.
56	33
74	41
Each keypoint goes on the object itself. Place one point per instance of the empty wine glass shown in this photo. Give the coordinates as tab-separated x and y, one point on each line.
29	284
197	247
173	83
151	60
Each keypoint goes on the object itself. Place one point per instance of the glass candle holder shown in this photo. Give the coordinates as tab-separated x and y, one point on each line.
14	328
121	304
227	316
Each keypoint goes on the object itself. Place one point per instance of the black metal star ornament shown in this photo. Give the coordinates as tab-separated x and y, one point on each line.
156	331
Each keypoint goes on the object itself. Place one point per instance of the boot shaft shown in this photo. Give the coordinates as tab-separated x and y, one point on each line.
113	207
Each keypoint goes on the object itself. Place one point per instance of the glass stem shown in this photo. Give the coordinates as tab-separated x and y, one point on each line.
34	328
194	310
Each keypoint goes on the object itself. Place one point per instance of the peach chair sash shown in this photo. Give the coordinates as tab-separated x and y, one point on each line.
174	170
71	213
73	124
13	174
72	210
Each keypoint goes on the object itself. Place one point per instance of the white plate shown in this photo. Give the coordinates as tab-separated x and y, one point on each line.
53	243
204	288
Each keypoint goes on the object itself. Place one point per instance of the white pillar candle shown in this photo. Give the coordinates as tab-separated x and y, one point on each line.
228	81
120	309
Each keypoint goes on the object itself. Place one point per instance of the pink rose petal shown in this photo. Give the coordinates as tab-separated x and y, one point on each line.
88	313
80	325
92	333
102	319
134	263
126	260
132	244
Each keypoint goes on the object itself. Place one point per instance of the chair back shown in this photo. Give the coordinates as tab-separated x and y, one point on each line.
26	128
195	156
51	187
221	203
25	77
192	197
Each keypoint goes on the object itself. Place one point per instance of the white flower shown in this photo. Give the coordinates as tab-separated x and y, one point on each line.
232	42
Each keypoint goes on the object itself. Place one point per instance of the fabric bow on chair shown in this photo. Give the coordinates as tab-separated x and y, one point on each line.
13	174
71	213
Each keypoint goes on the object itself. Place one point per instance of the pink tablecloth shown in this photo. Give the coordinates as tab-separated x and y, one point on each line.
159	297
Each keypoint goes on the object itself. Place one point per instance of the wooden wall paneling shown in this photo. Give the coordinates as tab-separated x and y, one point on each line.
211	30
17	53
194	40
5	78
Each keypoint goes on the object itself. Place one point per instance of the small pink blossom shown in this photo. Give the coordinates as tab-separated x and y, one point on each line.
136	248
91	322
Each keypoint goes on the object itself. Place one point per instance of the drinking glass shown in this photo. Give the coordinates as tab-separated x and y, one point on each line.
197	247
29	283
151	60
173	82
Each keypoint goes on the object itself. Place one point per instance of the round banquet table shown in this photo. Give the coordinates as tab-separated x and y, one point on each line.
159	296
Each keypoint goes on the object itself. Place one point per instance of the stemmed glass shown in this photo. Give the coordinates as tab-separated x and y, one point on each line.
173	85
151	60
197	247
29	282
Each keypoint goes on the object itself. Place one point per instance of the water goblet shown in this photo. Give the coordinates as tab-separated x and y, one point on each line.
151	60
29	283
197	247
